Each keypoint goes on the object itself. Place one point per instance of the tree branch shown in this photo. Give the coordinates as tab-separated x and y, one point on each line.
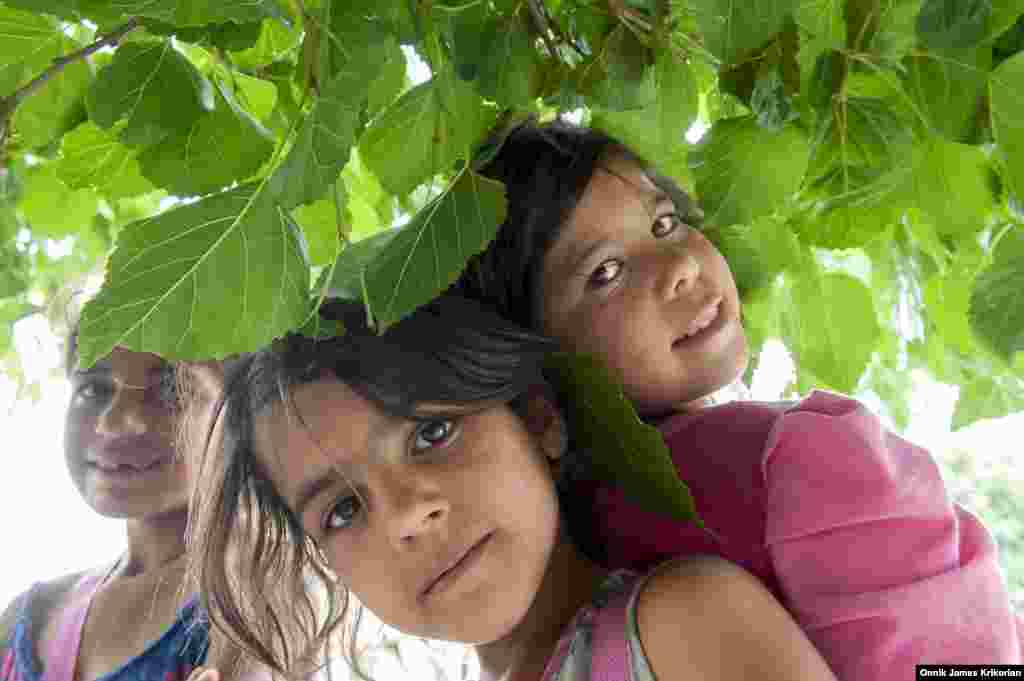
9	103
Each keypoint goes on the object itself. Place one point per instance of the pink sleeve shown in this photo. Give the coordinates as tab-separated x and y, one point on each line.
882	571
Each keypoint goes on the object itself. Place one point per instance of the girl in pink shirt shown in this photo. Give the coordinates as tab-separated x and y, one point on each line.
849	525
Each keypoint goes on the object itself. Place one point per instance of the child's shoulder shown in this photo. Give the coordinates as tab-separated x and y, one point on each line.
35	603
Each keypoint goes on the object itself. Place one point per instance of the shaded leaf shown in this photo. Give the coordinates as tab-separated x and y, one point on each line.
756	252
744	171
947	87
223	146
1006	93
427	254
996	312
953	24
181	13
621	449
426	131
154	87
205	280
730	27
390	82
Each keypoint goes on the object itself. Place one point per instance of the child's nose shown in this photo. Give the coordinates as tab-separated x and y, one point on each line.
680	271
124	415
417	509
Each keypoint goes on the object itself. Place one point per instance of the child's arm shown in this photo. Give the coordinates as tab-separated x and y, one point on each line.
705	618
875	562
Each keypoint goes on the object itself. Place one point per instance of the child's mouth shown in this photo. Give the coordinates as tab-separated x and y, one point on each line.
128	469
705	317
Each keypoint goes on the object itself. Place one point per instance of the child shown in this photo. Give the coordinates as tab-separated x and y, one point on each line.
848	524
418	469
125	620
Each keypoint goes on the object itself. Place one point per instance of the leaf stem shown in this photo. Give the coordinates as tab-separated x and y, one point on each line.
9	103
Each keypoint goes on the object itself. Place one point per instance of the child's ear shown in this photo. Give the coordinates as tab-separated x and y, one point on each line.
545	422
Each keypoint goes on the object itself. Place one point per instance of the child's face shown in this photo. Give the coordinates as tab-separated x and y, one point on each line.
629	281
474	489
119	437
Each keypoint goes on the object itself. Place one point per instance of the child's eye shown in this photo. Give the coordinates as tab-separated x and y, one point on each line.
432	434
606	273
342	514
92	391
666	224
165	391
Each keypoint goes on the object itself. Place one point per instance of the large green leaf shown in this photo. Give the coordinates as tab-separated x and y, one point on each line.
659	128
223	146
205	280
744	171
1006	96
92	157
51	208
731	27
427	254
323	143
831	327
324	225
494	51
425	132
621	449
756	252
277	40
947	87
947	297
997	314
154	87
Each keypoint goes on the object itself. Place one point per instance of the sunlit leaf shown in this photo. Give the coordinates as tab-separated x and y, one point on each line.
946	88
51	208
427	254
92	157
744	171
424	132
987	398
216	277
323	223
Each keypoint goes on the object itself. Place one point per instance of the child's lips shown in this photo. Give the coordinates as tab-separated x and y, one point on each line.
705	316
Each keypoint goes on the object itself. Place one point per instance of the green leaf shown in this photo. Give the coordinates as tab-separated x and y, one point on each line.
50	208
498	53
180	13
996	312
351	265
621	449
389	83
619	78
885	27
321	226
831	327
29	43
15	272
1006	94
223	146
987	398
257	96
744	171
276	41
152	85
10	312
92	157
953	24
730	27
324	141
756	252
947	88
205	280
426	131
427	254
947	297
951	185
659	128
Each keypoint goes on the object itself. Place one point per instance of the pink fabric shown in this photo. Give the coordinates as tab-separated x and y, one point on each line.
62	651
848	524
